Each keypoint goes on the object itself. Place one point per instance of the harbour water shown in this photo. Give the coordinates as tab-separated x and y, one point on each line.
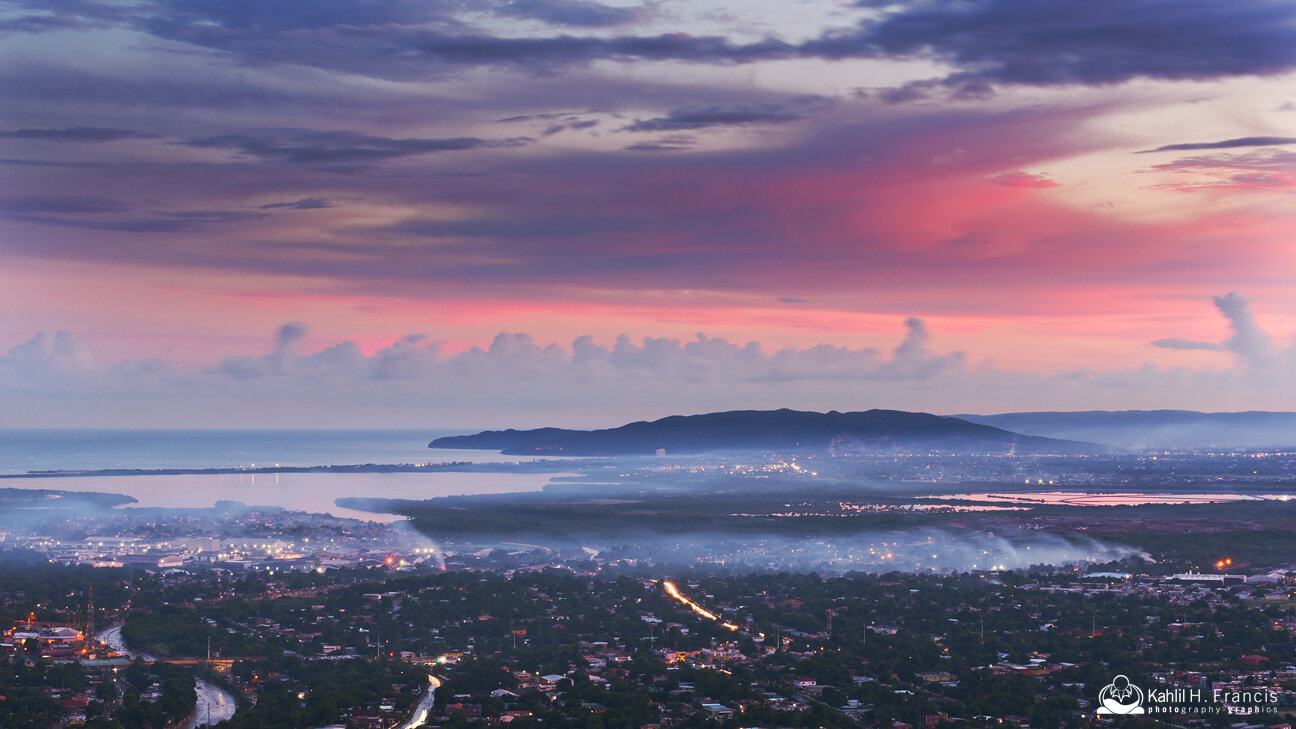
22	451
313	492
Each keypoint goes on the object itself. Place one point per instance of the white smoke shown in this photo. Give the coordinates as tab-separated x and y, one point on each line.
907	550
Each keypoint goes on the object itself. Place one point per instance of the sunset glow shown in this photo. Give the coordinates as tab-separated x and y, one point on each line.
419	211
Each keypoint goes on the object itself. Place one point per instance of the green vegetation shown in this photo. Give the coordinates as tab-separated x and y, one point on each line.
296	694
28	701
175	702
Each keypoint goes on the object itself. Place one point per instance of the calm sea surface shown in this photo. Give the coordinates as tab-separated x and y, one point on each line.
75	449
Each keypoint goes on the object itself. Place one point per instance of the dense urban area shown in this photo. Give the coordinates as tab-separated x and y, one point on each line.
958	603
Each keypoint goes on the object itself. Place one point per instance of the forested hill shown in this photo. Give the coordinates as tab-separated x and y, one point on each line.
770	430
1140	429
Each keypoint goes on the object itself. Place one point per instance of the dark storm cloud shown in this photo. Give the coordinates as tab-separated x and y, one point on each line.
295	15
553	129
571	12
312	147
76	134
713	219
406	52
673	143
1031	42
558	50
656	147
987	42
696	117
912	91
22	162
495	228
97	213
959	88
551	116
1270	169
556	122
1226	144
306	203
1256	160
85	88
23	205
1043	42
142	225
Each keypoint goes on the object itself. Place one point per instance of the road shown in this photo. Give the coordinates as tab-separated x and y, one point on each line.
214	704
421	711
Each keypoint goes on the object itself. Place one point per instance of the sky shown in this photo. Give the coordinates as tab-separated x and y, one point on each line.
478	213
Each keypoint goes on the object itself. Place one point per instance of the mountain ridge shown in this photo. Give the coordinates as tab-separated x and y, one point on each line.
1140	429
756	430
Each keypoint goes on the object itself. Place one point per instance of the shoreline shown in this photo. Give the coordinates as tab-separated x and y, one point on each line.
537	466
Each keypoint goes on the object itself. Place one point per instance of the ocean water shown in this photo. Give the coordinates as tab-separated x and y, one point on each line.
22	451
83	449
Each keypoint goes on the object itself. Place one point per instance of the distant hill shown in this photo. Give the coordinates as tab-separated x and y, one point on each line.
766	430
1140	429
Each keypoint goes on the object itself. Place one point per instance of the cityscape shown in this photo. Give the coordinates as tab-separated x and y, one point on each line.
943	589
647	364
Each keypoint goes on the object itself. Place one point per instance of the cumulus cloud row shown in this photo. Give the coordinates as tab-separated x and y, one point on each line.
513	373
1248	341
516	374
517	356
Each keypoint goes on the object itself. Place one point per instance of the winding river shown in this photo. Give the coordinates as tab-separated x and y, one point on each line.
424	707
214	703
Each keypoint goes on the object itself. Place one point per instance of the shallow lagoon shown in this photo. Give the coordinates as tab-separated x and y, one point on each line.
314	492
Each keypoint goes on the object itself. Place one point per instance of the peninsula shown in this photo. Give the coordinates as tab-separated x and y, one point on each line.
872	431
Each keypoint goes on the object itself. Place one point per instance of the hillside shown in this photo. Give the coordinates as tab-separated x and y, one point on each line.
769	430
1138	429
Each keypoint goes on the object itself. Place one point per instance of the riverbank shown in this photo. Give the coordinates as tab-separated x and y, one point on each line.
424	707
213	704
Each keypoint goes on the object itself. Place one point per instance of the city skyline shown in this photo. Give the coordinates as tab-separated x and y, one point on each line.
575	213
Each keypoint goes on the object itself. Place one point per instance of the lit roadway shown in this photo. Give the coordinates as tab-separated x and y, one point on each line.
674	592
